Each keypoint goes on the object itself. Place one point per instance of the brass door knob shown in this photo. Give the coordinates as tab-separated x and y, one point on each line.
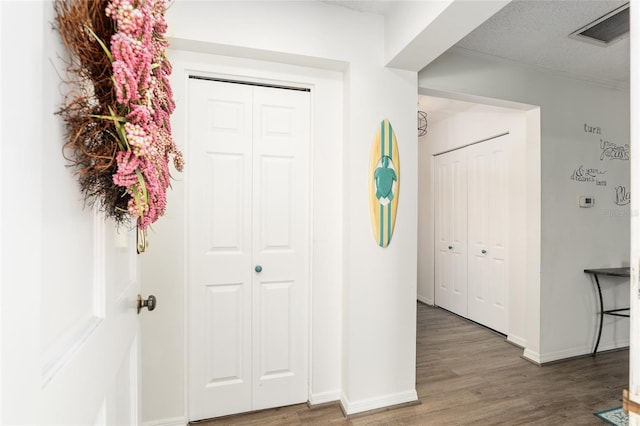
149	303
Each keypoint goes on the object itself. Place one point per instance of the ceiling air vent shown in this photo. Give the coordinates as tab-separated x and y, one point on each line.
607	29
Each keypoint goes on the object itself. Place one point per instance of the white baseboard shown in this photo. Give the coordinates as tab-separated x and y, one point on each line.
174	421
425	300
613	345
545	358
324	397
517	340
353	407
532	356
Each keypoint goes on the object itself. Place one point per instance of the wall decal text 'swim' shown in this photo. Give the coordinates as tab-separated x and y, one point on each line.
613	151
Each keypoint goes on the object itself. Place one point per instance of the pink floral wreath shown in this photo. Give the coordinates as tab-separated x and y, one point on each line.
137	107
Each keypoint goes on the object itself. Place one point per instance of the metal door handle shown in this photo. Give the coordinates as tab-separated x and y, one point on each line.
150	303
450	247
258	268
483	252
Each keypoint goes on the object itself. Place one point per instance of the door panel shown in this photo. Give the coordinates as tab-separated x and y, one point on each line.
275	354
122	407
99	341
248	273
224	323
225	205
276	202
451	231
488	225
281	229
219	248
459	232
442	232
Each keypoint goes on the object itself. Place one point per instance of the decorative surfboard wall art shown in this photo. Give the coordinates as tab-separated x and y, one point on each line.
384	183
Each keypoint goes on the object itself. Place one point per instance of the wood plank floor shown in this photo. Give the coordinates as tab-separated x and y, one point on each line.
468	375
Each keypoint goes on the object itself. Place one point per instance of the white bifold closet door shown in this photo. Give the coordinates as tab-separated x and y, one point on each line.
471	232
488	224
451	231
248	247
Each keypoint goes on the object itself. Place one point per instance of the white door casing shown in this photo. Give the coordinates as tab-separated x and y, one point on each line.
451	231
488	225
247	208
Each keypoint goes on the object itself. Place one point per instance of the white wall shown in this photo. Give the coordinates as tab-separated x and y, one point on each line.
403	25
370	309
417	32
475	123
22	172
571	239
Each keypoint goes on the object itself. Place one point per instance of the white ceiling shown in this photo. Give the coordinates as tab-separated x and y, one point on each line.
536	33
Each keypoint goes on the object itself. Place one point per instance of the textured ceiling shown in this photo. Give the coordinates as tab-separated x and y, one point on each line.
536	33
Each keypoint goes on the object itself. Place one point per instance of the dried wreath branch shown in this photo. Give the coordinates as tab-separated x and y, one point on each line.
117	118
91	143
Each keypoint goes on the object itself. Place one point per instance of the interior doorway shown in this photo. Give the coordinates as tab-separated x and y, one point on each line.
467	129
471	226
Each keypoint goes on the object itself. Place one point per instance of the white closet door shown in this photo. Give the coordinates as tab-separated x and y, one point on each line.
280	246
451	231
488	234
219	248
248	238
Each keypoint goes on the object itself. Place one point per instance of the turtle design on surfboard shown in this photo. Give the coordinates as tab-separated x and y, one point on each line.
384	183
385	176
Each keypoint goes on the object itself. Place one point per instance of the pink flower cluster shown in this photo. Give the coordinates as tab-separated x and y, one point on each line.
141	80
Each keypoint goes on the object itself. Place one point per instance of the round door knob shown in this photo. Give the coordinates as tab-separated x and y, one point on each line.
450	247
258	268
483	252
150	303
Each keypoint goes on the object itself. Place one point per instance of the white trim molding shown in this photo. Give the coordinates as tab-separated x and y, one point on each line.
517	340
425	300
174	421
324	397
546	358
349	407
